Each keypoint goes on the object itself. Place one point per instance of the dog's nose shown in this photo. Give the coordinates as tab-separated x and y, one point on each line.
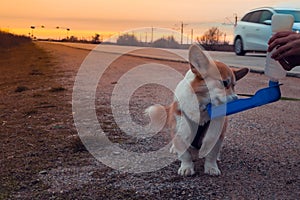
232	97
235	97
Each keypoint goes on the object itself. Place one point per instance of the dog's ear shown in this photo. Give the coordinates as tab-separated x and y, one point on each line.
240	73
198	59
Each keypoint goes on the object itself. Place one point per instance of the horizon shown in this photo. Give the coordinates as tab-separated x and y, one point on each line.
84	19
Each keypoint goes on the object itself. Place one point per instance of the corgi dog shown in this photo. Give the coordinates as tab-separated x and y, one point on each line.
206	81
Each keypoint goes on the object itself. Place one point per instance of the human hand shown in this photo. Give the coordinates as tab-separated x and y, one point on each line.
284	40
286	63
287	45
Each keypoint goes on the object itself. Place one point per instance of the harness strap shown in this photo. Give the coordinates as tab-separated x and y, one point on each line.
197	142
201	130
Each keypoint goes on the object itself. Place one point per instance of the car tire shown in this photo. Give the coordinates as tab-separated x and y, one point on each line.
238	47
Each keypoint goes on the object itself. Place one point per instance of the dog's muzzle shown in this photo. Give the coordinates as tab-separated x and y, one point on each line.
231	97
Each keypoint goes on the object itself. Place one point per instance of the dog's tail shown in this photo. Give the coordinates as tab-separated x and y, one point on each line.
162	116
158	117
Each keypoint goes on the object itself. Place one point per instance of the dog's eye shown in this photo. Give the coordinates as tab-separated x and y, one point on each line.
225	83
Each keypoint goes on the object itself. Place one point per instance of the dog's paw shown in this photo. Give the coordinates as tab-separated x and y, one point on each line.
186	169
212	170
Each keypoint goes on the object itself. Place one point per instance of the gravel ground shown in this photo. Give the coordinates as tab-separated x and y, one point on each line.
42	157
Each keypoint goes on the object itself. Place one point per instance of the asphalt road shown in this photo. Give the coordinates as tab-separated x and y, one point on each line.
254	61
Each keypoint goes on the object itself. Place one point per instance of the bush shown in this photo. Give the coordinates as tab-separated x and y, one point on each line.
129	40
168	42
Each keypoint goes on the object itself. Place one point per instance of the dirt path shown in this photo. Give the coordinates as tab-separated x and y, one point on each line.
42	159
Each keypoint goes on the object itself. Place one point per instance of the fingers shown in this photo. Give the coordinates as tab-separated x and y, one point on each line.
285	65
281	52
290	48
287	48
280	35
280	38
277	42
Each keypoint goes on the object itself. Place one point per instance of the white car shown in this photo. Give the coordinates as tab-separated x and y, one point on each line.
253	31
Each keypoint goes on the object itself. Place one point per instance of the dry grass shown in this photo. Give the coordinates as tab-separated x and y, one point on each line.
8	40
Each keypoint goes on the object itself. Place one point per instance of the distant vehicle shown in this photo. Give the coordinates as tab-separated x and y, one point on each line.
253	31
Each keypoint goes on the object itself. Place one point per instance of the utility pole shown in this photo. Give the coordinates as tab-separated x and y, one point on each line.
67	29
181	31
152	33
192	36
146	38
32	27
235	19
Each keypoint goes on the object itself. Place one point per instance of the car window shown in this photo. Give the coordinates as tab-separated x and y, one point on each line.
246	18
265	15
253	17
295	13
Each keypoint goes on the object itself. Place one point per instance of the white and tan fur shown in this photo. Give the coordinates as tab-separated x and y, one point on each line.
203	83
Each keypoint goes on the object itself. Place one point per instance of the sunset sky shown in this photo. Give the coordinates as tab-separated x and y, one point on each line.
87	17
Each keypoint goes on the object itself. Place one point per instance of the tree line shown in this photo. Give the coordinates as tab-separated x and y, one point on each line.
209	40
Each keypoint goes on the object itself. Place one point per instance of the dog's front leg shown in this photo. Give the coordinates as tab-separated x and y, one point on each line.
210	165
187	165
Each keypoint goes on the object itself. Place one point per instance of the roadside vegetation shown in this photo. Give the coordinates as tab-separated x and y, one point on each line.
9	40
211	40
